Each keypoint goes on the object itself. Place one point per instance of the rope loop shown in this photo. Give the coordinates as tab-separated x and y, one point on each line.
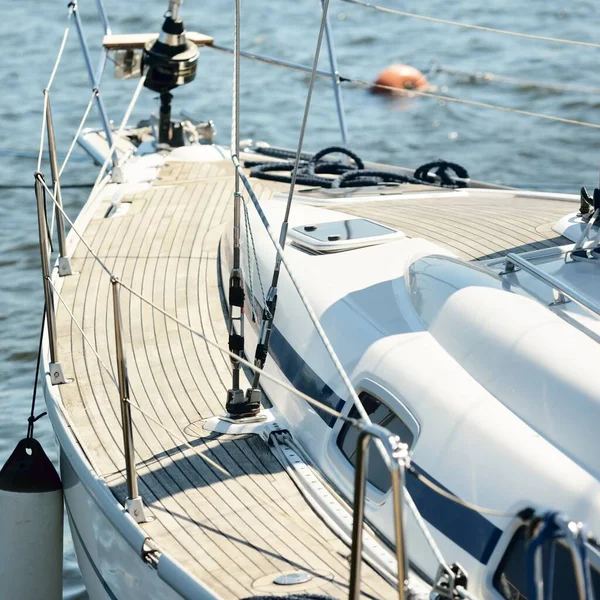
312	163
444	170
366	177
313	171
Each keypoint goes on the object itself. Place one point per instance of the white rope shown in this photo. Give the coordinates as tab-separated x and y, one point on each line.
132	103
78	133
528	36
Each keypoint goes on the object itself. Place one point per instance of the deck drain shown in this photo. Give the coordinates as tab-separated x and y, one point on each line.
294	578
292	581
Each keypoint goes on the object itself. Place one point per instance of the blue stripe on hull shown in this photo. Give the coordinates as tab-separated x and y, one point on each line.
465	527
302	377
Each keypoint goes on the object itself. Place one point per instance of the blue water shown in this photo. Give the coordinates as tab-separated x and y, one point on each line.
494	146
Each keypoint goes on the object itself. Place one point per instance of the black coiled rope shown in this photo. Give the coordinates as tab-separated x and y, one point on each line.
314	171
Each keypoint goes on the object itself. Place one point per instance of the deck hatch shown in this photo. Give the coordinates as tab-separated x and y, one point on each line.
337	236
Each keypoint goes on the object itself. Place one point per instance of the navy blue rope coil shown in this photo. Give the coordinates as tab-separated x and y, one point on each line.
291	597
314	171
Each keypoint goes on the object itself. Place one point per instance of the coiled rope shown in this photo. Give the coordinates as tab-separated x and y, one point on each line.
313	170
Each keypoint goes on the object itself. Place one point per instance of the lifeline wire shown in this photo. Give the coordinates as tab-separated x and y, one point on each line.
529	36
250	365
64	214
112	378
282	236
409	93
290	388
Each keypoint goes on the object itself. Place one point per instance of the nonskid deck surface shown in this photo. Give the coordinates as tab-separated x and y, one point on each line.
234	533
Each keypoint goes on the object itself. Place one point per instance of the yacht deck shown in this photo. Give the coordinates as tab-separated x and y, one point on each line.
234	533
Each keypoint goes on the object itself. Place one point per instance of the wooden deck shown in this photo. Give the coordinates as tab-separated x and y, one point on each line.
475	227
236	532
230	532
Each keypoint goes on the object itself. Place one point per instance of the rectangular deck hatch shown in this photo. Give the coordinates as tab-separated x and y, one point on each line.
337	236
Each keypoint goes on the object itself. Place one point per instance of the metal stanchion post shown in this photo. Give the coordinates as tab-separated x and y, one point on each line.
133	504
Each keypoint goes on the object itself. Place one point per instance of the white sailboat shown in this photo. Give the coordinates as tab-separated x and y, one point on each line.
226	334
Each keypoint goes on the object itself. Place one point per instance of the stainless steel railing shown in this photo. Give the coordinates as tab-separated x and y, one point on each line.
56	370
134	504
64	262
562	289
395	454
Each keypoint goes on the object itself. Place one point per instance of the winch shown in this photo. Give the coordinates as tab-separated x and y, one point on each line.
171	62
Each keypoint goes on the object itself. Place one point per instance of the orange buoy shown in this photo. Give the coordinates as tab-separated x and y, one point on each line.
401	78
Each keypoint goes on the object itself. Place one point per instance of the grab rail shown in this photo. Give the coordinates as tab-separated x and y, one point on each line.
563	289
395	454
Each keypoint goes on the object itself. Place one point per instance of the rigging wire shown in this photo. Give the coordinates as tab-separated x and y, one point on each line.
78	133
410	93
266	329
529	36
475	103
48	87
190	329
117	138
313	317
236	286
489	77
